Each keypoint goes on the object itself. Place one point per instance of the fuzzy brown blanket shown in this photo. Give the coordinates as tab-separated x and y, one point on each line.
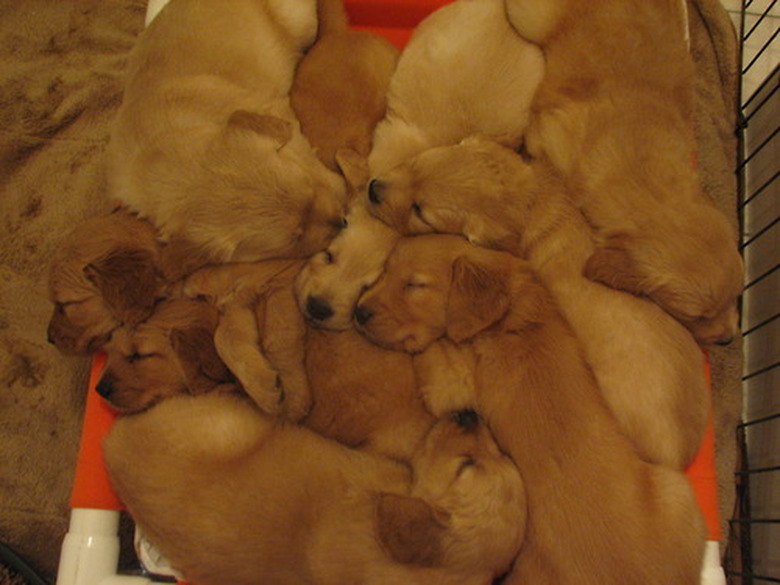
60	83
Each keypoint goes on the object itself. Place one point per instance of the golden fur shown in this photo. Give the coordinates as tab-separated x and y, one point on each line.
105	274
464	70
261	334
171	352
331	281
205	143
340	86
614	115
230	495
597	513
647	364
341	385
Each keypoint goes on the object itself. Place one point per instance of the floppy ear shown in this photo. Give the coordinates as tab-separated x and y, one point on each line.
354	167
411	530
127	280
612	264
479	296
202	365
276	128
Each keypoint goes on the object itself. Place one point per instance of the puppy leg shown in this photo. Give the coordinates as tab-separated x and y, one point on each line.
284	345
237	340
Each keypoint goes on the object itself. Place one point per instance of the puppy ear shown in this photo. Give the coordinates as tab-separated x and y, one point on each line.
202	365
276	128
127	279
612	264
411	530
354	167
479	296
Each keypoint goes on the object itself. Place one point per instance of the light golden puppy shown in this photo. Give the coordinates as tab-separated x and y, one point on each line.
598	514
331	281
340	86
171	352
647	364
230	495
614	115
261	334
465	70
205	143
106	273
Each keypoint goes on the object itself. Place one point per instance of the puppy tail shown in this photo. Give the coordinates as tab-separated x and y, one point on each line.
331	17
535	20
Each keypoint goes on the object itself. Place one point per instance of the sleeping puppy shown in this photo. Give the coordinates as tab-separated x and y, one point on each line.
614	115
465	70
646	363
105	274
229	495
598	514
205	144
364	396
341	385
171	352
331	281
261	334
340	86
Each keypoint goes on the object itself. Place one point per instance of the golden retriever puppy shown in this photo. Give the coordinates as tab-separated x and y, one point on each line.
105	274
598	514
261	334
465	70
364	396
340	86
230	495
171	352
614	115
331	281
205	144
647	364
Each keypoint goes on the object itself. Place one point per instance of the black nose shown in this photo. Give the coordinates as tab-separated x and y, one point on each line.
105	388
318	309
467	419
375	191
363	314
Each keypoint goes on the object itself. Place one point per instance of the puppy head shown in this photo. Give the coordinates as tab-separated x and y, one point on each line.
434	286
330	283
271	200
106	275
170	353
467	507
473	188
694	272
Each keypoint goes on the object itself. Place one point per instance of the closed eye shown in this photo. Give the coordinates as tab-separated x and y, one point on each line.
137	356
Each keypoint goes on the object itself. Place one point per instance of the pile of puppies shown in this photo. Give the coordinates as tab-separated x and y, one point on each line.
428	317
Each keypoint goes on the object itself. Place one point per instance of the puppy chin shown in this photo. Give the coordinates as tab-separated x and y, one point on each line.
407	342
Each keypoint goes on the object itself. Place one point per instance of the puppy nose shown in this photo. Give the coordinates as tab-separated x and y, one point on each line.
318	309
105	389
375	191
363	314
466	419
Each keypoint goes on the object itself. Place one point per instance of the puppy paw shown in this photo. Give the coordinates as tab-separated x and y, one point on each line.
296	398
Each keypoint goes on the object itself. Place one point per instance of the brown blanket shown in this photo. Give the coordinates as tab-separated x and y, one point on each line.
60	83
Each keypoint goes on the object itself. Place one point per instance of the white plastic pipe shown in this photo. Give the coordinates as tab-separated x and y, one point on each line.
712	572
90	551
